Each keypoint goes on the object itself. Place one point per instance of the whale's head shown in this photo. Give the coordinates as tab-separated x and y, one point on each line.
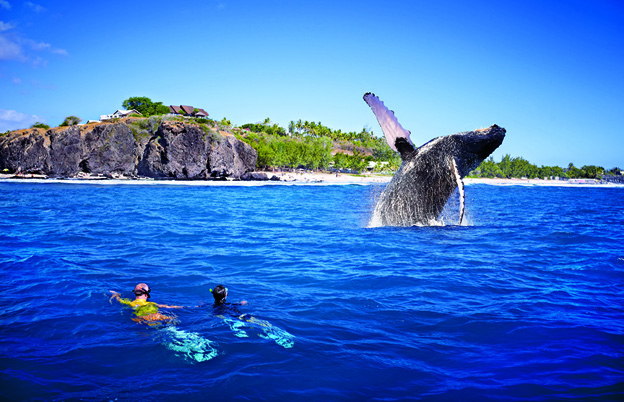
473	147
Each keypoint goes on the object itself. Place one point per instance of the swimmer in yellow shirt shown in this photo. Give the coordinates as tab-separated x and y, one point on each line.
145	311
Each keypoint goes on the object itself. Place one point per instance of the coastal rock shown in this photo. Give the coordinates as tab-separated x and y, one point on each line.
66	152
176	150
110	148
259	176
230	157
183	151
27	152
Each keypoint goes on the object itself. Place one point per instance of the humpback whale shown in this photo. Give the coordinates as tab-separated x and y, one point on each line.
429	174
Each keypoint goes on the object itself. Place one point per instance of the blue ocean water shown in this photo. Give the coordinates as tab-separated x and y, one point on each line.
525	303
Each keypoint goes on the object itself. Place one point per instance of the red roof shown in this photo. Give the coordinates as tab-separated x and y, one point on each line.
183	109
187	109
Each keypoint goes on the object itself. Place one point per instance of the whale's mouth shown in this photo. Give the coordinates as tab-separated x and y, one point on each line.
493	127
485	141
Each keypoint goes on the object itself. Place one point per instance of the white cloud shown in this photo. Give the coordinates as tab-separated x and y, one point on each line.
12	120
42	46
40	62
16	80
5	4
35	7
5	26
15	48
10	50
38	46
61	52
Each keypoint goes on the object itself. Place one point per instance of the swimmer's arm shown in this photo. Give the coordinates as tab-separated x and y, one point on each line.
166	306
118	298
114	296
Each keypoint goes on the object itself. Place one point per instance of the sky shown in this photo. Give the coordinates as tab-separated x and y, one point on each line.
550	72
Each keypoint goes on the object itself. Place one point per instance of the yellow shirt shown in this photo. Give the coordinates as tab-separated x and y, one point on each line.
141	307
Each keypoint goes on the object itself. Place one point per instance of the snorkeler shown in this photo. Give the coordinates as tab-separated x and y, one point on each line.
190	345
220	293
145	311
230	314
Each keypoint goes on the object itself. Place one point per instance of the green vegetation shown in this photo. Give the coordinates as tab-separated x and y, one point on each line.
276	151
40	125
139	133
144	128
70	121
145	106
209	130
225	123
265	128
518	167
312	145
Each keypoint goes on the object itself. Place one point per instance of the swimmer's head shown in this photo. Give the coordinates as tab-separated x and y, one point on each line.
142	289
219	293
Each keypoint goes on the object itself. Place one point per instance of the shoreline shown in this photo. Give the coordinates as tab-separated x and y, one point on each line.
540	182
299	178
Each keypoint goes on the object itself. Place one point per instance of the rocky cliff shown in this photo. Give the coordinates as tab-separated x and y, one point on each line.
132	148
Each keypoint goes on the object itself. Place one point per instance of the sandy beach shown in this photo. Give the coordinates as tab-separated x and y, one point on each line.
345	178
303	178
540	182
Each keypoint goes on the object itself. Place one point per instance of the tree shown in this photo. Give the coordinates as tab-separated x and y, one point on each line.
545	172
340	160
70	121
520	167
574	172
145	106
40	125
558	171
592	171
265	127
505	166
489	168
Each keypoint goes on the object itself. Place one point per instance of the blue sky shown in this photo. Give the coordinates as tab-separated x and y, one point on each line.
550	72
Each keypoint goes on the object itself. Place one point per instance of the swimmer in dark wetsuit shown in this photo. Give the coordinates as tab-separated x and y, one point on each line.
145	311
220	293
237	321
228	312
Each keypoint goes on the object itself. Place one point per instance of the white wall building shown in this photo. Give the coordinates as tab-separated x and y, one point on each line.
118	114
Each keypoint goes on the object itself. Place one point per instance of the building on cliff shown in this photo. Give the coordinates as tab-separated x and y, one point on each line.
119	114
185	110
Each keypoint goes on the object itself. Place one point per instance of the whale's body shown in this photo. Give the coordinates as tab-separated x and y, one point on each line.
428	176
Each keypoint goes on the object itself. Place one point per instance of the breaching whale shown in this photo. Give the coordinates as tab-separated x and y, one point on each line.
419	190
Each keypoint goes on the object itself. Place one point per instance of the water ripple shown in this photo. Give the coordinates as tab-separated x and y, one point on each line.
523	304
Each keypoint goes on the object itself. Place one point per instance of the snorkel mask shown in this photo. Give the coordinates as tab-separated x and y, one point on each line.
142	291
219	294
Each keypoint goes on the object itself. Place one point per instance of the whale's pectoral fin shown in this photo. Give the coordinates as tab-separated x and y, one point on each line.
462	194
398	138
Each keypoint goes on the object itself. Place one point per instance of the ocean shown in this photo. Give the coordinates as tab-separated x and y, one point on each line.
523	302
